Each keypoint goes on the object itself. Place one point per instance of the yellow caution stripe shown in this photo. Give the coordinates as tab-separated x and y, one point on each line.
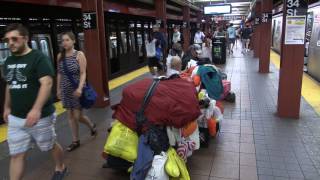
310	87
114	83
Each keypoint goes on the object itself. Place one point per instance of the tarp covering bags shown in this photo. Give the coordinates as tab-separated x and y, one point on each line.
174	103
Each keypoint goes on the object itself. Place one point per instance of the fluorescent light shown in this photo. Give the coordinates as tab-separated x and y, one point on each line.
217	9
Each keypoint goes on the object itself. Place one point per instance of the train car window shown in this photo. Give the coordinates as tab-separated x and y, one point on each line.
113	45
4	52
34	44
81	41
45	47
123	49
140	42
132	42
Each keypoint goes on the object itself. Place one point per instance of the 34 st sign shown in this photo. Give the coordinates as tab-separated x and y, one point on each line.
296	7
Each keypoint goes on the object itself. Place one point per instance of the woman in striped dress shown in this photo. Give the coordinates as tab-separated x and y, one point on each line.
75	63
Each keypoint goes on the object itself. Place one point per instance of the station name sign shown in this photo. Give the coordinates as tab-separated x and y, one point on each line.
296	7
266	17
89	20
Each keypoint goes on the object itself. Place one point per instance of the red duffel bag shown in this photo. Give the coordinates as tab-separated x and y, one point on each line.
174	103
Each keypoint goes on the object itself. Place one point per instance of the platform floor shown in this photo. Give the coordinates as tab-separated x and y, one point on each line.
253	144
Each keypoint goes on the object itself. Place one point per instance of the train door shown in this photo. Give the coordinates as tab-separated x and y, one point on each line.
4	53
308	33
141	42
43	43
273	30
314	47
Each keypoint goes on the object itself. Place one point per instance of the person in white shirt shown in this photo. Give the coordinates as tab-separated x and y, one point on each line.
207	49
176	37
231	37
198	37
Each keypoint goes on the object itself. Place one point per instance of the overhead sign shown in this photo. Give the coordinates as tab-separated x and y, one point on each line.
89	20
266	17
217	9
296	7
295	30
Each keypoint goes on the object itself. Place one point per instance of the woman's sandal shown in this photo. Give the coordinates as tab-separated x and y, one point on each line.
94	131
73	146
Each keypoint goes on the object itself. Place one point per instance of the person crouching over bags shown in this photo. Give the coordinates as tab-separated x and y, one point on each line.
72	70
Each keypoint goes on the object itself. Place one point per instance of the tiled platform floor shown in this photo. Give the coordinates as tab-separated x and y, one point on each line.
253	144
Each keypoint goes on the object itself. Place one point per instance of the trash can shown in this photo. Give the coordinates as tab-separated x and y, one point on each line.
219	50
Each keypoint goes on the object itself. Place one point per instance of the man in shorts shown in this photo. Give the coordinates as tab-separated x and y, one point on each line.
246	35
231	37
160	45
28	107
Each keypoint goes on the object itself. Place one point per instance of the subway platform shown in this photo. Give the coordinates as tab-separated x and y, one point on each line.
254	143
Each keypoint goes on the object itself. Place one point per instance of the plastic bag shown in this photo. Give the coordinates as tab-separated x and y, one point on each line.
171	165
122	142
157	171
195	138
189	128
151	48
212	126
174	135
184	174
217	114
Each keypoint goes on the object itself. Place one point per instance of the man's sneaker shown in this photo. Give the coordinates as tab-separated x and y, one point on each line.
58	175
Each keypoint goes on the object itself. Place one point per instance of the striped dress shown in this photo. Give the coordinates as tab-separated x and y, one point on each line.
69	101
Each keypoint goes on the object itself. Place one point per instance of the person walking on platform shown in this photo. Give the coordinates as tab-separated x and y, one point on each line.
176	37
28	107
231	37
72	63
246	35
155	49
199	37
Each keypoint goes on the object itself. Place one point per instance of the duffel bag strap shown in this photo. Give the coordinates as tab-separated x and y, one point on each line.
140	117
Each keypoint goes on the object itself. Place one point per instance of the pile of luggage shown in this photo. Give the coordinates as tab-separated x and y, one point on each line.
160	122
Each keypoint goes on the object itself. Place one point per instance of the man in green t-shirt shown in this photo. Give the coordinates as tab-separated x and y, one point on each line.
28	107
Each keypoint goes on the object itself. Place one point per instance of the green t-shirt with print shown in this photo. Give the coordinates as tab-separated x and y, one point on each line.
22	74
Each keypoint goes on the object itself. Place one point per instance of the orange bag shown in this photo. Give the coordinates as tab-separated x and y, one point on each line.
212	126
196	80
188	129
219	104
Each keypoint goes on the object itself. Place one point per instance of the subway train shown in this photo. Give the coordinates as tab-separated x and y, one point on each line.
312	41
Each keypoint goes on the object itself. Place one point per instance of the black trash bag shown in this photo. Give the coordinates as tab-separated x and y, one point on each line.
117	163
157	138
231	97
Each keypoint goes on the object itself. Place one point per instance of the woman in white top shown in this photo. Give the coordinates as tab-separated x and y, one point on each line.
207	49
176	37
198	37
